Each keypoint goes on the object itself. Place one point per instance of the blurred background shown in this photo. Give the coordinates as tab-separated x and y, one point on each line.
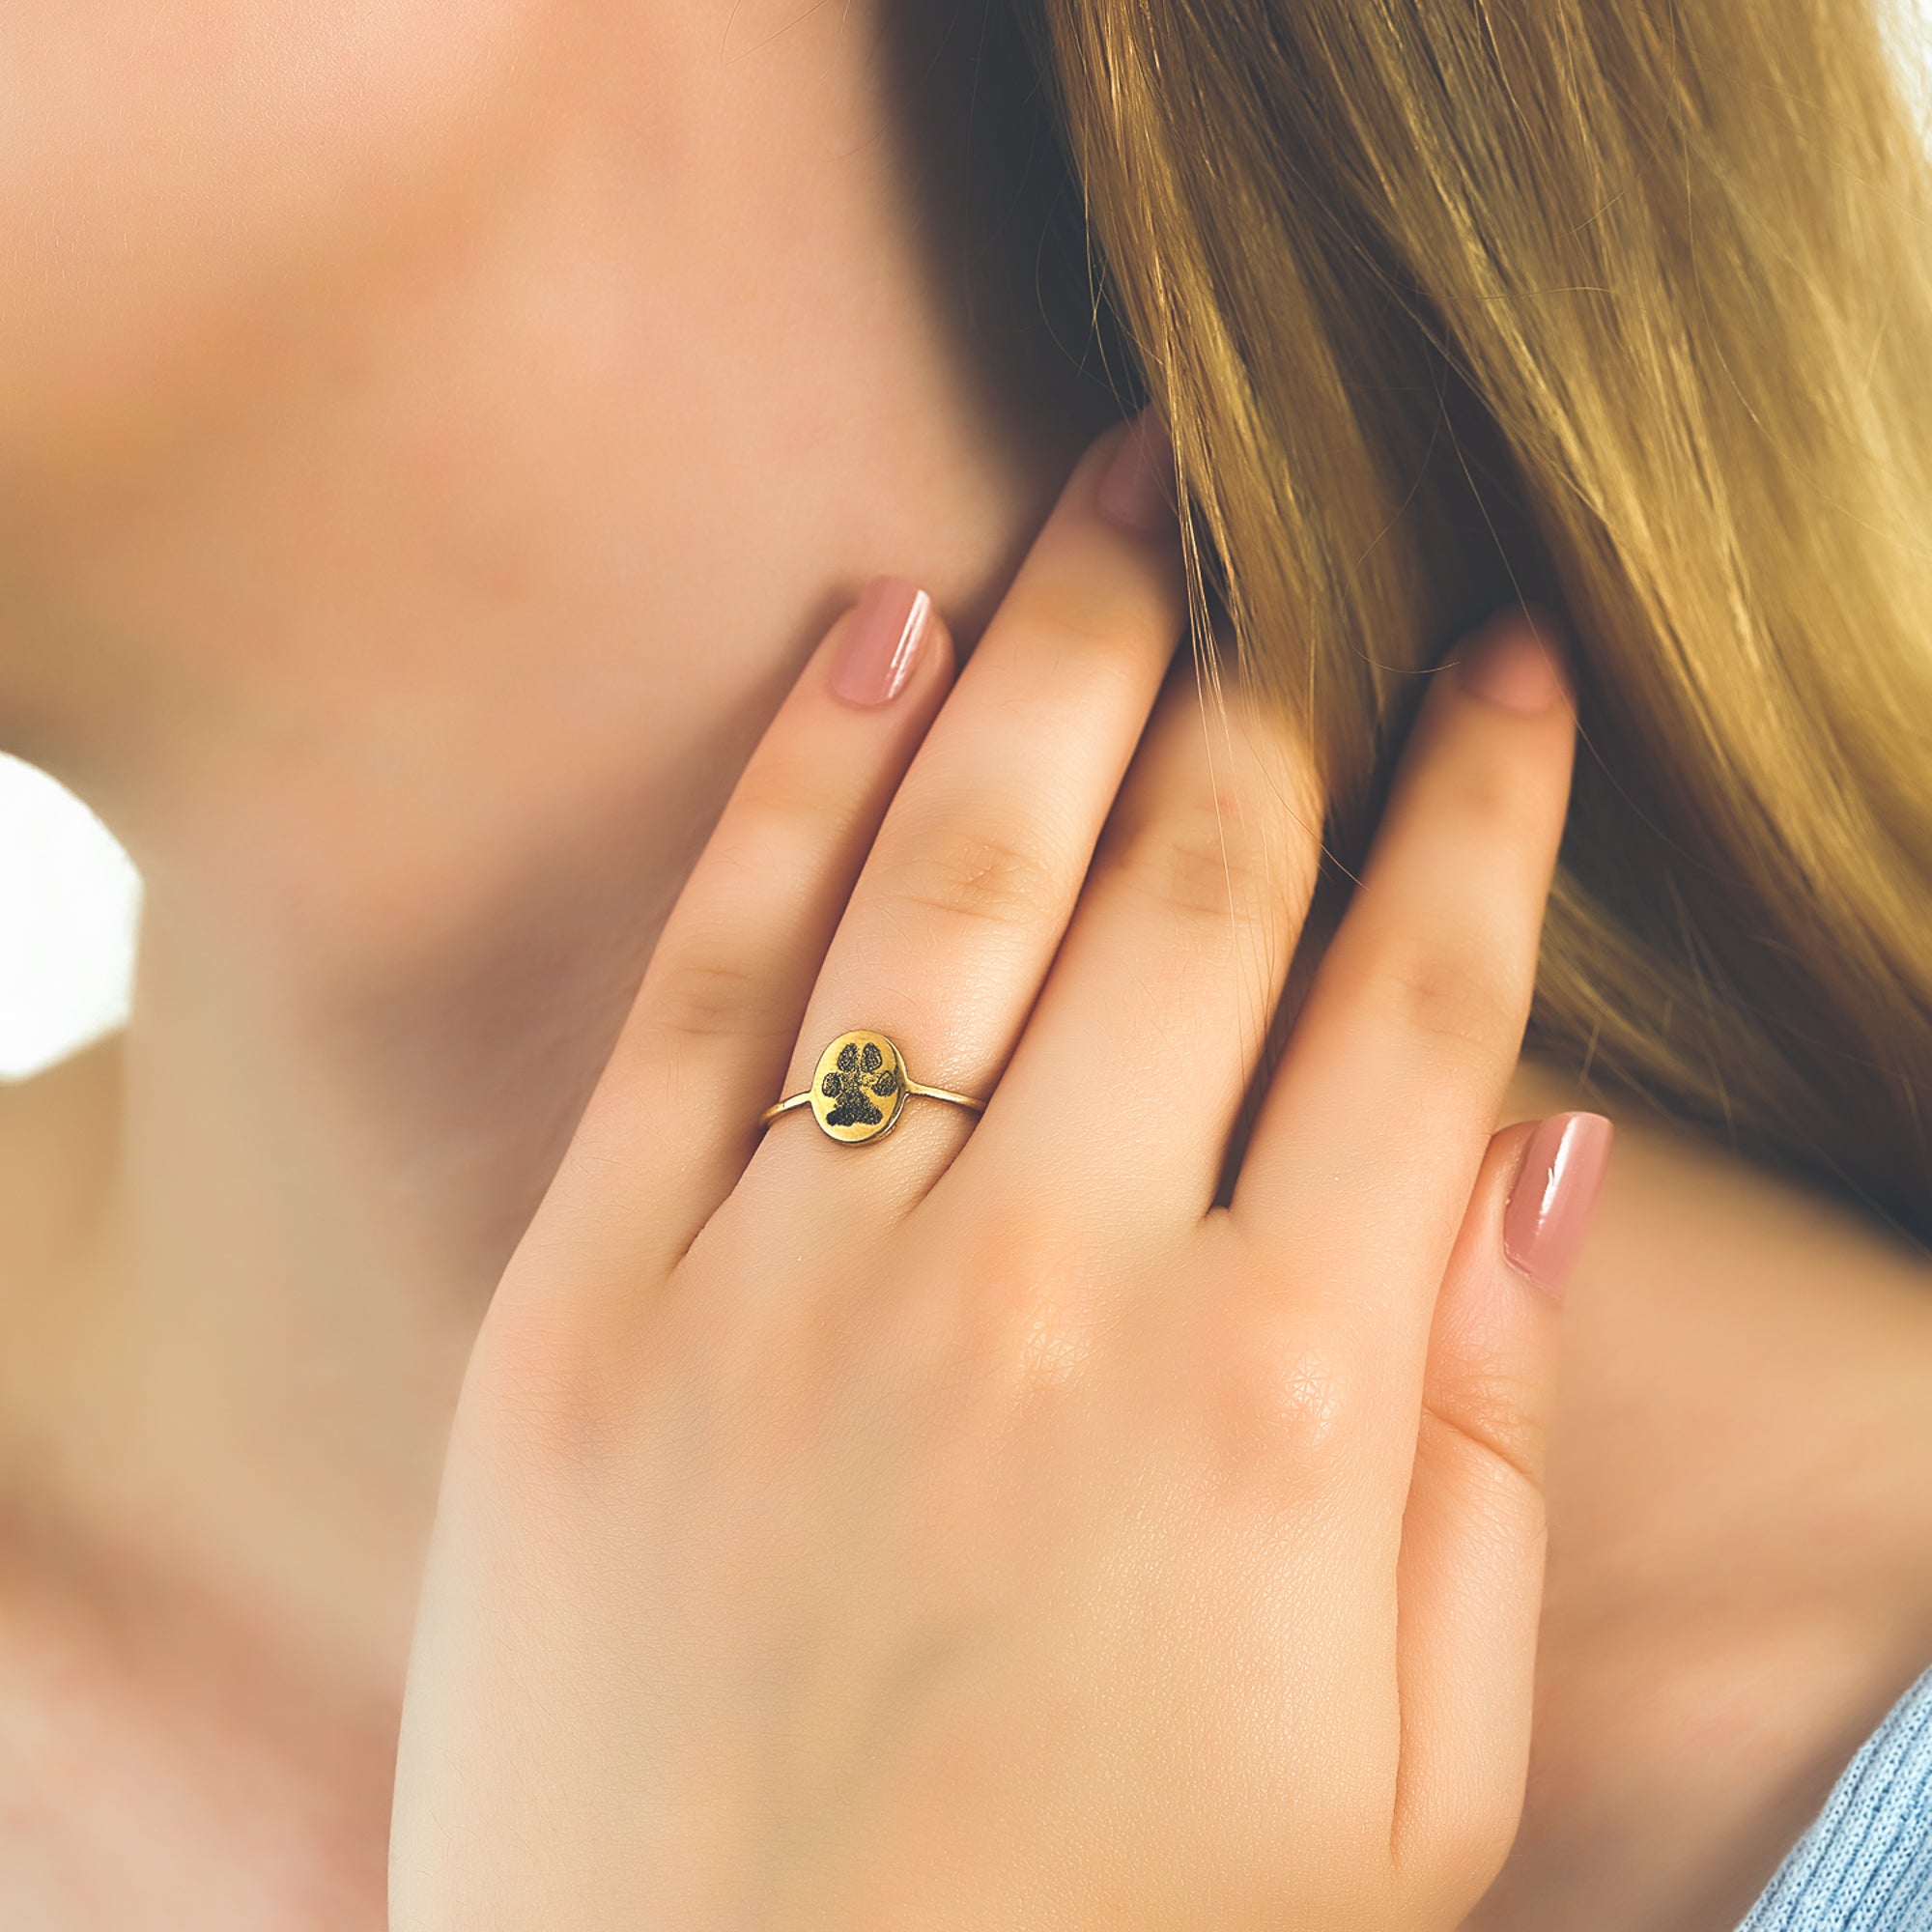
68	904
69	900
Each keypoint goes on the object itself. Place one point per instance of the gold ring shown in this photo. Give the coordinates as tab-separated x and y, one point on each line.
860	1088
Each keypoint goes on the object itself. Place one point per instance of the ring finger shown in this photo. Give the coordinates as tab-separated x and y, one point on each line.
969	885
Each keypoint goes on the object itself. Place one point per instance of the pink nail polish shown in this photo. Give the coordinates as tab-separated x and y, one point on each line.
1549	1208
1137	492
1515	663
888	626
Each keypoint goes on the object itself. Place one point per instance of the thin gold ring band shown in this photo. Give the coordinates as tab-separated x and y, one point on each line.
859	1089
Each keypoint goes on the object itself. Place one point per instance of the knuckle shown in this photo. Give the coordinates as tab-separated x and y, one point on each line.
1499	798
784	791
983	875
1490	1411
1206	858
1310	1400
548	1390
1024	1266
1284	1398
1470	785
1186	862
1460	997
1061	618
1017	1296
703	991
1084	614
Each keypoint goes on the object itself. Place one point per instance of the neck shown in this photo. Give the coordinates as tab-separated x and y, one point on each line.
454	622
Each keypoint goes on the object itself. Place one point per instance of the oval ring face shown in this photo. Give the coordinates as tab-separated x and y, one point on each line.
859	1087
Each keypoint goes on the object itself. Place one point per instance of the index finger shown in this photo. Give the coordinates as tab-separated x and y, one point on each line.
1370	1137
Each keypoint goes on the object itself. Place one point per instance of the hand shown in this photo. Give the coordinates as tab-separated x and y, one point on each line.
980	1526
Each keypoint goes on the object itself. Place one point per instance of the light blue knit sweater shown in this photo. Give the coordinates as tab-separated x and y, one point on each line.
1866	1865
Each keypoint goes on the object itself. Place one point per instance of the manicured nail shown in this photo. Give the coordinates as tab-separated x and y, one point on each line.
1515	661
1549	1208
890	624
1137	492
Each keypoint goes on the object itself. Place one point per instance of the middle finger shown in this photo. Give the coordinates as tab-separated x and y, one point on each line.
1127	1092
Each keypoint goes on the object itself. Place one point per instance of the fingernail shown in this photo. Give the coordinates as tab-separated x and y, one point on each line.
1137	492
1515	662
1549	1208
890	623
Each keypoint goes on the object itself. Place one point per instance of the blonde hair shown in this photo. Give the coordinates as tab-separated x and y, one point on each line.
1626	307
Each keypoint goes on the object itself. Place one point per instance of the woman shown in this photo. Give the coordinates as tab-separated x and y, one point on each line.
435	438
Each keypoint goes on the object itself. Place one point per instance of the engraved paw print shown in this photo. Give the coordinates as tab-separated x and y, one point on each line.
859	1078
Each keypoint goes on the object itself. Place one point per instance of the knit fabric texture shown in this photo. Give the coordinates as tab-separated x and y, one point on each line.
1866	1865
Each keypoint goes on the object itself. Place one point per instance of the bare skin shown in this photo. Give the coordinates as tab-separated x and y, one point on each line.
417	541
